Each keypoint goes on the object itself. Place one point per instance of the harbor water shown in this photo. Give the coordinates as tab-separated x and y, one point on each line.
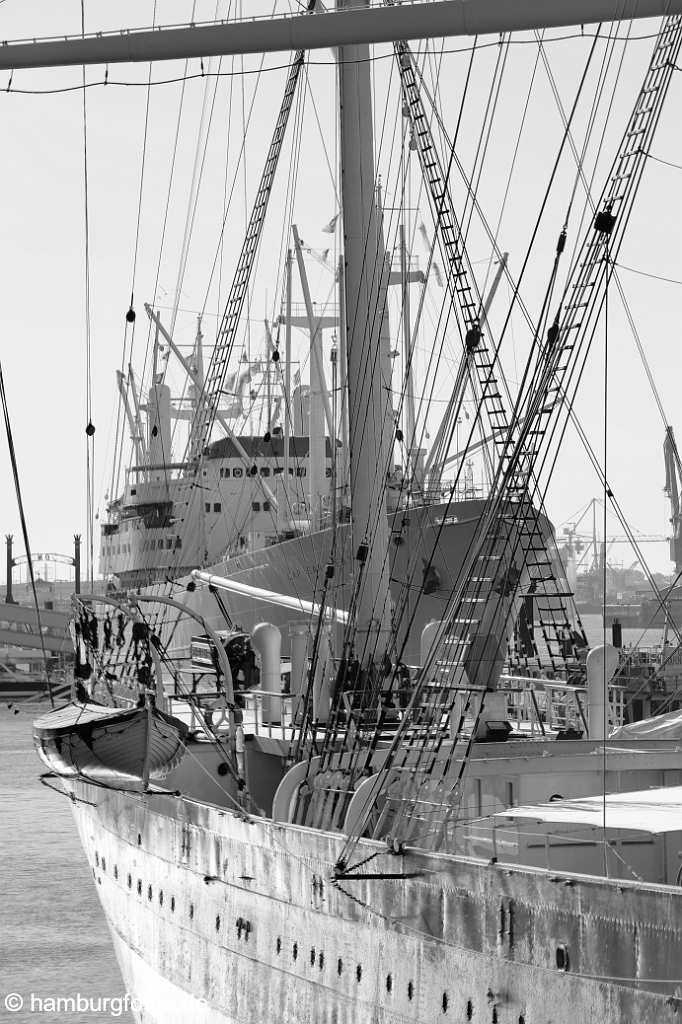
57	963
593	625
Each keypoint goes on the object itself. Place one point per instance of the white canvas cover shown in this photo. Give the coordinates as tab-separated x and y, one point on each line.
647	810
662	727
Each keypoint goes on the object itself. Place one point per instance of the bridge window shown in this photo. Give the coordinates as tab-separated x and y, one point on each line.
237	472
255	506
217	507
265	471
207	506
300	471
266	506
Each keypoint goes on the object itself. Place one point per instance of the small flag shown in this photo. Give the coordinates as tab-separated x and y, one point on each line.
330	228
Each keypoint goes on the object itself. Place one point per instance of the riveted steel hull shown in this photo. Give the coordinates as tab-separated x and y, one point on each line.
217	919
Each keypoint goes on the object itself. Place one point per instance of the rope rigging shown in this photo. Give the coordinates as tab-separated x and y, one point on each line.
90	428
540	427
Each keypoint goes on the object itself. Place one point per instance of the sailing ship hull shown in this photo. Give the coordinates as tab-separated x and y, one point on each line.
221	920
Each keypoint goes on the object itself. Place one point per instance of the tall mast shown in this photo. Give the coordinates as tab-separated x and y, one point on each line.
410	419
287	380
368	400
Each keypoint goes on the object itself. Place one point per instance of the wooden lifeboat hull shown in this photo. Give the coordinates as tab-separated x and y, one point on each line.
108	745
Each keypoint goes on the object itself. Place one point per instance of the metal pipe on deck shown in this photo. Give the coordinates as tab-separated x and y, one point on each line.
600	666
269	596
266	641
9	596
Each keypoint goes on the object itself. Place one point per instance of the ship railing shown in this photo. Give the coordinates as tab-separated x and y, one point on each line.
269	713
538	704
567	706
526	703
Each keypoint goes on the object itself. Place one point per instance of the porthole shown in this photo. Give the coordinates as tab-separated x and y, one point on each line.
149	892
116	871
160	897
320	961
295	951
96	858
444	1002
279	945
172	904
139	887
191	911
104	864
410	991
389	983
312	956
130	881
217	922
339	966
139	839
358	972
470	1009
562	957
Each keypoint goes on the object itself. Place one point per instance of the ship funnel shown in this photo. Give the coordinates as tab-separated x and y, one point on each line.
266	641
601	666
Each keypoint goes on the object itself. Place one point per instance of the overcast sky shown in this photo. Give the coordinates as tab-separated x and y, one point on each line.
42	259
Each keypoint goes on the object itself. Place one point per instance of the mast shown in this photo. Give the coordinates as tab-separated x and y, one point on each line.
319	399
136	439
407	355
368	405
287	381
140	442
342	471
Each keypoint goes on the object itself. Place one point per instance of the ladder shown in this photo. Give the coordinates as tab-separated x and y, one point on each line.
481	361
217	369
421	797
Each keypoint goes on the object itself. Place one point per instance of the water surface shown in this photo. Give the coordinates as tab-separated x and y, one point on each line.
54	941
